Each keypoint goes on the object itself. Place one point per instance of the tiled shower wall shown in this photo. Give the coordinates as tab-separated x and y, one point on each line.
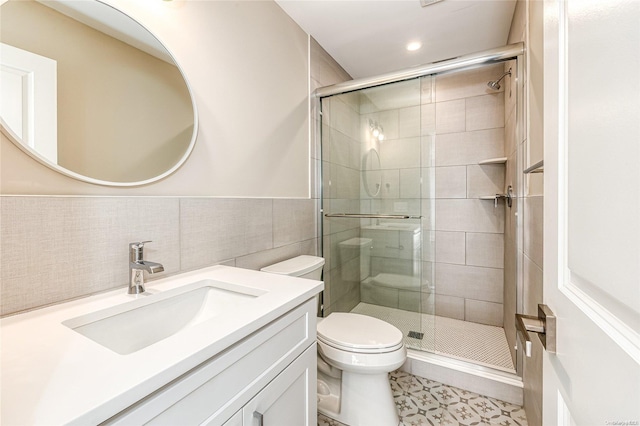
469	243
56	248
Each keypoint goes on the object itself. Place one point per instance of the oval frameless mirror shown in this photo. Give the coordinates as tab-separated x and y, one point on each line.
91	93
371	173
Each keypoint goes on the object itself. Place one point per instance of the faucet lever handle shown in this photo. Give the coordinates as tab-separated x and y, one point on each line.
139	244
135	250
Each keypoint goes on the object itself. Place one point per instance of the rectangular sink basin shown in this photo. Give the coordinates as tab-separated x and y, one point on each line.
131	326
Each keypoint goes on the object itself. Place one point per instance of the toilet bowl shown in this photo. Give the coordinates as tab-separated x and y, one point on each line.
355	354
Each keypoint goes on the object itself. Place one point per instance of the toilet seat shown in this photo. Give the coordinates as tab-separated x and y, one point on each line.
357	333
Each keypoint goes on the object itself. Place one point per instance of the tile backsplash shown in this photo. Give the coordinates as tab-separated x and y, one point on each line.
60	248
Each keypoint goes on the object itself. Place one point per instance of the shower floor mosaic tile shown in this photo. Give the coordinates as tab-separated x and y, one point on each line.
479	343
422	401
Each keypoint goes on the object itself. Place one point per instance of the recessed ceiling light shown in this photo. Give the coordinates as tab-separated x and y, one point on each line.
414	45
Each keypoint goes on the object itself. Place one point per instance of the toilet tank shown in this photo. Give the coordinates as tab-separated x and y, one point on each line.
354	248
301	266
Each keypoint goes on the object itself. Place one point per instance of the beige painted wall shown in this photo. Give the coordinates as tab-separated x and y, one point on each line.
247	63
38	233
112	98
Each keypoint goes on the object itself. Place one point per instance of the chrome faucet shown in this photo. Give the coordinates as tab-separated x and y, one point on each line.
137	266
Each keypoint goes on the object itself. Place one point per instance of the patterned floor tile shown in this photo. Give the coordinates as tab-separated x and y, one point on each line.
423	402
326	421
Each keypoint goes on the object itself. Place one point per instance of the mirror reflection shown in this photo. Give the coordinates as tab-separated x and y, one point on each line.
92	92
371	173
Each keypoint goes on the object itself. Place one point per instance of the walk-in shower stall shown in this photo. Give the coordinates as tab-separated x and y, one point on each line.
419	203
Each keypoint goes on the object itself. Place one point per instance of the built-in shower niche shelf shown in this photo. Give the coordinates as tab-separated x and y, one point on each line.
498	160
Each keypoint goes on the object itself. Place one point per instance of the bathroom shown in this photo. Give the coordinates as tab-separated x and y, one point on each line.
250	193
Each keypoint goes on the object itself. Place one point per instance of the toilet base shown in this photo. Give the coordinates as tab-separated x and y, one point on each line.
364	400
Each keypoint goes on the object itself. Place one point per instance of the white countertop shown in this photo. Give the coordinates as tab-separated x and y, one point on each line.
53	375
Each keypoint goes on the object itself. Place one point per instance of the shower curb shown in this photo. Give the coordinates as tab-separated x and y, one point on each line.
483	380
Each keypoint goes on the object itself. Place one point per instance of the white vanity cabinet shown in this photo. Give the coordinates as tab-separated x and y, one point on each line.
268	378
286	400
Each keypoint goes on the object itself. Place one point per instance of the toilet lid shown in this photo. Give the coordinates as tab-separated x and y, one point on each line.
359	333
296	266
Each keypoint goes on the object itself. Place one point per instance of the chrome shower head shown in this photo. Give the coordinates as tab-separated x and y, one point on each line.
495	85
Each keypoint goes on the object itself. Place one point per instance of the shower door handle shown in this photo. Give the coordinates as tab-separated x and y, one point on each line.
544	325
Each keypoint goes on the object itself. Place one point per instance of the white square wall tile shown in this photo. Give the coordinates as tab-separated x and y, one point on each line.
427	89
469	215
214	229
483	312
410	186
470	282
409	122
428	119
259	260
428	176
485	180
467	83
344	118
390	184
449	306
450	117
485	112
533	228
533	286
468	147
427	151
400	153
485	249
428	246
389	122
293	221
451	182
339	146
450	247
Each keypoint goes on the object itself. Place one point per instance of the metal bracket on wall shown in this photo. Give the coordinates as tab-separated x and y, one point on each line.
544	325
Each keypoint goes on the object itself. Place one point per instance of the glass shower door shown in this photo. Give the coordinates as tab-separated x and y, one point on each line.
376	204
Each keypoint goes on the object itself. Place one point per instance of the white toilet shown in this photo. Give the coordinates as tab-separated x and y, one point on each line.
355	355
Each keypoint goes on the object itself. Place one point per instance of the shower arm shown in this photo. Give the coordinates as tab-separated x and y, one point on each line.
503	76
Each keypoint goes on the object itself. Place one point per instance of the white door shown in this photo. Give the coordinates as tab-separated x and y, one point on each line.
592	210
28	105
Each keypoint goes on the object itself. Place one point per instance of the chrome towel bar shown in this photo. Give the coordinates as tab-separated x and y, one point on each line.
371	216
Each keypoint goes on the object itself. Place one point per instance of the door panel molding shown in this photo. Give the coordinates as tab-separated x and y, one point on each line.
615	320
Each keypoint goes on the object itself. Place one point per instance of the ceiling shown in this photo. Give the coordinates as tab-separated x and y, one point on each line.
369	38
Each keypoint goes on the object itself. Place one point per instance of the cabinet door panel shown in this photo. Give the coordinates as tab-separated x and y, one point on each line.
289	400
236	420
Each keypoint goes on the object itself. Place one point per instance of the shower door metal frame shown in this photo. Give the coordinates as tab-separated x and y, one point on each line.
509	52
501	54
